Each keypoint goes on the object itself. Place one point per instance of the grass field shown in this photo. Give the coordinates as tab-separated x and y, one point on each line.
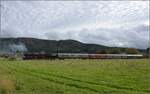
75	77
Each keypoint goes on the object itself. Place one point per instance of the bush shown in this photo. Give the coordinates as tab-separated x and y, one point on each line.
131	51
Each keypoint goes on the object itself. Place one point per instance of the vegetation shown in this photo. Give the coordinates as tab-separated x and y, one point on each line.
115	51
148	51
101	52
131	51
62	46
75	76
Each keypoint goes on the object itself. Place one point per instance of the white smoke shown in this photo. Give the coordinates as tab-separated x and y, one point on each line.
18	47
12	47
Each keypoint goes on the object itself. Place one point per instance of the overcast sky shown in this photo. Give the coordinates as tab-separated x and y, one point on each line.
110	23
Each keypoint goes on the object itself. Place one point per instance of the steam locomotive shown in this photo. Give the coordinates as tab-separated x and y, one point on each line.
27	56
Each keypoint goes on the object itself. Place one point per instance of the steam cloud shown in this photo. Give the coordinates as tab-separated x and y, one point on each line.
18	47
9	48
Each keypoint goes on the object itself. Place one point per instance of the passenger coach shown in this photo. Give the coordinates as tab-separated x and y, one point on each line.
80	56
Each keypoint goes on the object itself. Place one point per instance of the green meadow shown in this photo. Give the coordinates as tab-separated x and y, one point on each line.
113	76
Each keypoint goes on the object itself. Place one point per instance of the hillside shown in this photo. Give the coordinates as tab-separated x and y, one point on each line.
51	46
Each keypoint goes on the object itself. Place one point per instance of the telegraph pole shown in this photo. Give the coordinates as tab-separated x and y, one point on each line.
0	18
57	48
0	26
148	49
149	33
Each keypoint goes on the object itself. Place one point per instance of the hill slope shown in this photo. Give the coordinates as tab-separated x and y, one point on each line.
51	46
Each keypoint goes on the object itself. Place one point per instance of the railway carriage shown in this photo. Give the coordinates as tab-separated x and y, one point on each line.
72	56
80	56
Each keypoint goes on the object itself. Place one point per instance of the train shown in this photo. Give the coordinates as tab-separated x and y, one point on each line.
98	56
28	56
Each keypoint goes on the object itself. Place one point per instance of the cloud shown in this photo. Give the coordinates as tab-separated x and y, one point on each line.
134	37
111	23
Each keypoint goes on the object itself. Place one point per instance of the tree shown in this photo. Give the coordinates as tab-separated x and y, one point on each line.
115	51
148	52
131	51
102	52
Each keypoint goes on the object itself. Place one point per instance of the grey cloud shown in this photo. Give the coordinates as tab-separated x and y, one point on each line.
63	20
137	37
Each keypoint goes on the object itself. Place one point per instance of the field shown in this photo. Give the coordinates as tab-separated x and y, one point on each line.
115	76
